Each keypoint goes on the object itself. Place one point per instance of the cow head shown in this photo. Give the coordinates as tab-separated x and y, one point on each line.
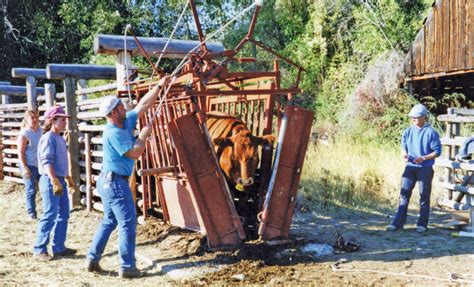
238	156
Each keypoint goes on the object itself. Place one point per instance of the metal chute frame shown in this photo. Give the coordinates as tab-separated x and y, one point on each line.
204	84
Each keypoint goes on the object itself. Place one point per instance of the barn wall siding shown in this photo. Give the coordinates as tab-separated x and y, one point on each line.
445	43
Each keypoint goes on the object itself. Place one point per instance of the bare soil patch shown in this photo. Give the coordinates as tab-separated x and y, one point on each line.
170	255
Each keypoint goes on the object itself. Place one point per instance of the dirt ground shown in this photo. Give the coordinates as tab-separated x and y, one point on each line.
173	256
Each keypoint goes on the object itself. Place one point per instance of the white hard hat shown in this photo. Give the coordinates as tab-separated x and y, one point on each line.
418	111
108	104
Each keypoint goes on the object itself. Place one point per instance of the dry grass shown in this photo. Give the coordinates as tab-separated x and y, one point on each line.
343	175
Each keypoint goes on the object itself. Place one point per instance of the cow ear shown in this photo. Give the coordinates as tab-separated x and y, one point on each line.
268	139
222	142
237	129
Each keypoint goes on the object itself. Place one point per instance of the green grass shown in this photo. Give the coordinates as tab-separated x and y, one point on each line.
345	175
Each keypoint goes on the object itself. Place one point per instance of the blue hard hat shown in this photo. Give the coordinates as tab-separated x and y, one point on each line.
418	111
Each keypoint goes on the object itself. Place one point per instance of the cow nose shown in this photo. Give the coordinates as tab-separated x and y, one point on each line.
245	182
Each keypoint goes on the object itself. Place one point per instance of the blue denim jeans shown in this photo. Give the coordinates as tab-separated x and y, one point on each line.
119	209
412	175
55	217
30	190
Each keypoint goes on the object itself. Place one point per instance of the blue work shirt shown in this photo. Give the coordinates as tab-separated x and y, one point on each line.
31	151
52	150
116	142
419	142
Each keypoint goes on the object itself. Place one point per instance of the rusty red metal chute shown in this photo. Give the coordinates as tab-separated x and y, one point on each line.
180	171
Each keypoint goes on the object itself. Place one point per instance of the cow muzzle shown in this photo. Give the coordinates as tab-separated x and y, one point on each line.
243	183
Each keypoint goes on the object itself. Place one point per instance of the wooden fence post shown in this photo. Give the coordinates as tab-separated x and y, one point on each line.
81	84
87	140
5	101
447	170
31	93
123	63
69	84
50	94
5	98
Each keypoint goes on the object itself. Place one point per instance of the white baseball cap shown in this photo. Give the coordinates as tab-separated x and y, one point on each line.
108	104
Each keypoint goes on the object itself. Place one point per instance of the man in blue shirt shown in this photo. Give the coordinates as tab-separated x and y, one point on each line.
120	149
420	146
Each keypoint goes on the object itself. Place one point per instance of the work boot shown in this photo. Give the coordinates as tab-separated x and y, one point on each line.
42	256
92	266
65	253
130	273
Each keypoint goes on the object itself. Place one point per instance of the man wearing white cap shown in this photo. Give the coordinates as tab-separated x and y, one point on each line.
120	149
420	146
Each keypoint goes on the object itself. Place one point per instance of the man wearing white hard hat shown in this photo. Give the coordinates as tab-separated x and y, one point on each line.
120	150
420	146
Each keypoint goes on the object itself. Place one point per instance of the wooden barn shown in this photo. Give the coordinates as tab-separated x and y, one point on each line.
441	59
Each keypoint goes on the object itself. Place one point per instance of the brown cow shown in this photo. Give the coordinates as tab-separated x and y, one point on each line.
236	148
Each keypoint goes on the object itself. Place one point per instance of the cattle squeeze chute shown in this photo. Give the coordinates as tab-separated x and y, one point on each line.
210	159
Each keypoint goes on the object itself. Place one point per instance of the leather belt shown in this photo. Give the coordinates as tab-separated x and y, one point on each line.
116	175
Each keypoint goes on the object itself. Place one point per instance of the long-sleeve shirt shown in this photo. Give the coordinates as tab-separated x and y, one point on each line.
417	142
52	150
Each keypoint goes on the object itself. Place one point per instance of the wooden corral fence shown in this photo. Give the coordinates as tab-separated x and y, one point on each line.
12	114
458	177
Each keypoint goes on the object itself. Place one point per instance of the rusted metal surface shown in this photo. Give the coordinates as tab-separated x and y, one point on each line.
278	211
180	165
210	195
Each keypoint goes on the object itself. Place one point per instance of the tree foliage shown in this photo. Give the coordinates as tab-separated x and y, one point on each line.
336	41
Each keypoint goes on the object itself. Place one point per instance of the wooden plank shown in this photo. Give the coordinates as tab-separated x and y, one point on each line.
29	72
10	125
443	162
31	96
452	33
91	128
445	36
456	119
470	38
11	160
11	169
112	44
91	90
18	91
457	141
456	187
422	50
13	179
430	43
462	33
73	145
88	168
80	71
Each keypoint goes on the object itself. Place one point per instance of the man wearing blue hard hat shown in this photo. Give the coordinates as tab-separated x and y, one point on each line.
420	146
